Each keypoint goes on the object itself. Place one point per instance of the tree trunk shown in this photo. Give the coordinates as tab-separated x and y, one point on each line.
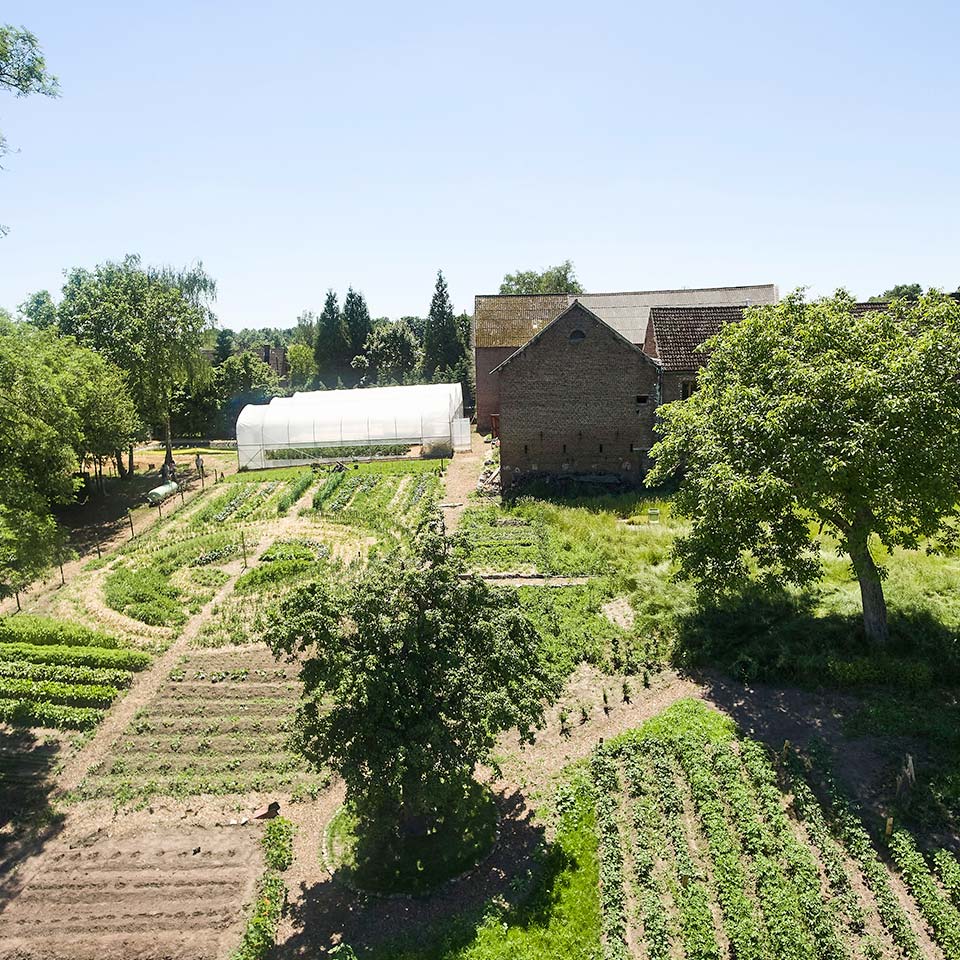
167	439
130	461
871	588
121	468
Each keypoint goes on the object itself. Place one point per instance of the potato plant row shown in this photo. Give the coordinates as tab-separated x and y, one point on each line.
695	824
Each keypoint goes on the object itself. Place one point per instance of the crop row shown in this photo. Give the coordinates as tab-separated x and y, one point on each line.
647	845
849	829
744	927
610	855
30	714
43	631
942	916
53	691
294	492
74	656
801	867
45	671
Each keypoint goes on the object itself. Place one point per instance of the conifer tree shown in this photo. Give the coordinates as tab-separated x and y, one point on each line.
441	345
356	320
330	345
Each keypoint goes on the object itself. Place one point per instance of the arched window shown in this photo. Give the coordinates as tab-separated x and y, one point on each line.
577	336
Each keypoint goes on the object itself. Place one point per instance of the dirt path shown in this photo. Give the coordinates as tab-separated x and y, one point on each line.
460	481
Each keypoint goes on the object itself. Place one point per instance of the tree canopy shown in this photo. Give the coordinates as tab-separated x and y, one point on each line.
441	343
356	321
909	291
392	352
559	279
59	405
816	413
23	71
331	343
411	669
150	323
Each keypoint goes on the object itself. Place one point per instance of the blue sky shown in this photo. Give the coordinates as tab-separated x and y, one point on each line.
298	146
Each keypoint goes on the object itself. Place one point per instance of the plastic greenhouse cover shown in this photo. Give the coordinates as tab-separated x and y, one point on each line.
414	414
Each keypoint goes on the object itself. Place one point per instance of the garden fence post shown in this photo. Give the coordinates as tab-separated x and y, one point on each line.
98	550
130	518
243	541
63	579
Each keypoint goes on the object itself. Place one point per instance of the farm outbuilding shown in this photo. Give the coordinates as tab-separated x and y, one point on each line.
293	430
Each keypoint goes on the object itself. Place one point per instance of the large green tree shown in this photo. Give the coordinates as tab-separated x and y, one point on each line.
816	414
59	405
150	323
392	352
411	669
559	279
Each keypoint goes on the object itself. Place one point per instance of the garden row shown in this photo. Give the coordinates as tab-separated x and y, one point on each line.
220	724
61	675
701	853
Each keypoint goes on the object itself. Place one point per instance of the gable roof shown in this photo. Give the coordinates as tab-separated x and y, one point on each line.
674	333
576	305
510	320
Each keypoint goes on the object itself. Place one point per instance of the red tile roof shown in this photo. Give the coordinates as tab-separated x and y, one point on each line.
675	333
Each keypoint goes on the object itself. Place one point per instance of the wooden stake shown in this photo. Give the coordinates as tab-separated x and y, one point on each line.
889	826
63	579
159	511
98	550
16	593
243	541
130	518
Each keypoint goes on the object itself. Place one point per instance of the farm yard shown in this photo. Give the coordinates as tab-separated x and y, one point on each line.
147	722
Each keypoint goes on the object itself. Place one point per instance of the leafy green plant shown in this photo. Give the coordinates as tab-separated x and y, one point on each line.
294	492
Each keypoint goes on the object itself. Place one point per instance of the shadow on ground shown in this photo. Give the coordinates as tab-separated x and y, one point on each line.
782	636
327	913
27	820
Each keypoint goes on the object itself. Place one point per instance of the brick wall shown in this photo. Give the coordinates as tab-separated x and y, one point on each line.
488	385
672	384
571	407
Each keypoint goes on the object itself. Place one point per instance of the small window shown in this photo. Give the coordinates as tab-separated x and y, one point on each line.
642	398
564	448
601	448
577	336
687	388
524	449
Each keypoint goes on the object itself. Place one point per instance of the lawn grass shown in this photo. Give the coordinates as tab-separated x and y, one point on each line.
558	917
811	636
418	863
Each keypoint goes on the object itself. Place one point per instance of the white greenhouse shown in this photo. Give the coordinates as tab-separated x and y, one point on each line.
294	430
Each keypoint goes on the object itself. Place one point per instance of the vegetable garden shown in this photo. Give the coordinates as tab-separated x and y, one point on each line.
60	675
709	846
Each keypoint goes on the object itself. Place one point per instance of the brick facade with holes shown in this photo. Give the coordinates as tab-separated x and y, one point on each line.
572	404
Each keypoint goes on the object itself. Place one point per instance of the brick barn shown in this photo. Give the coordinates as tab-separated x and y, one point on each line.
578	395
